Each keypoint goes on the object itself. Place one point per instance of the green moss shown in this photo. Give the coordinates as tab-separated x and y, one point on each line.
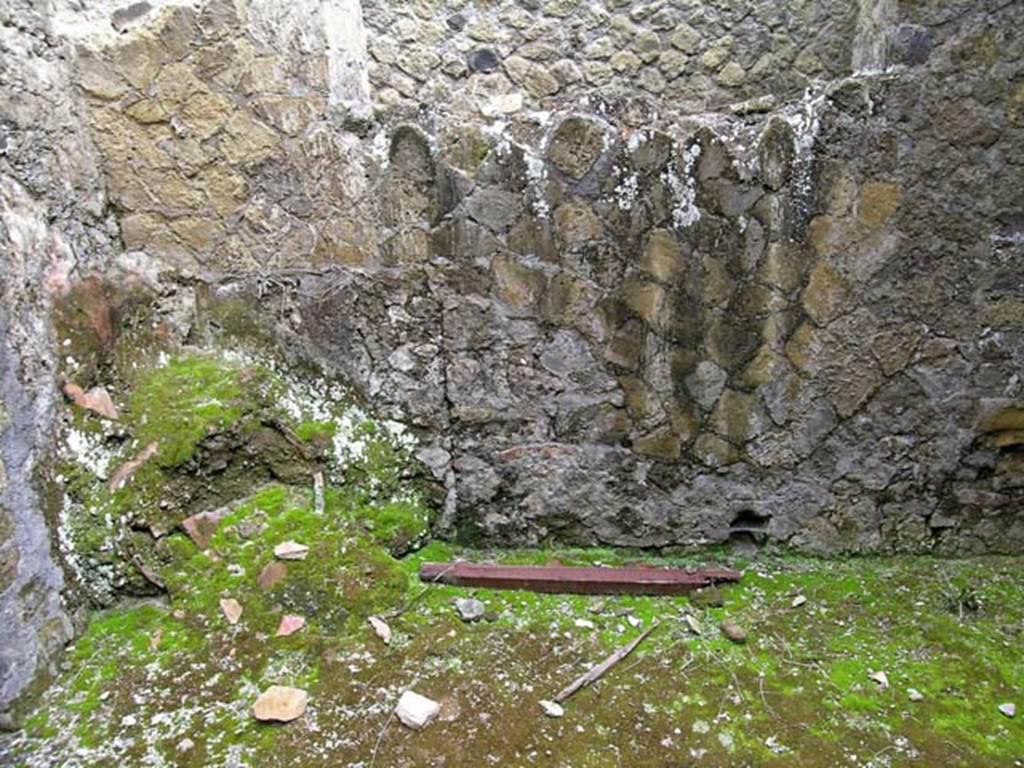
315	431
182	403
798	693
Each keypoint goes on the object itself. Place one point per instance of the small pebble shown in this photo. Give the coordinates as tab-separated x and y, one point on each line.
551	709
470	609
415	711
799	600
1009	709
734	632
915	695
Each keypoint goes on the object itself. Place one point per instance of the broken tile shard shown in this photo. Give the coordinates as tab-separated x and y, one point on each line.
290	625
96	400
291	550
231	609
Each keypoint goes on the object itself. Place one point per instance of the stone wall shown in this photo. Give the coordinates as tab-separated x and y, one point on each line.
655	274
689	56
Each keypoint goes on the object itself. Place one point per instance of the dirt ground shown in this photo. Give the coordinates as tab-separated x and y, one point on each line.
171	683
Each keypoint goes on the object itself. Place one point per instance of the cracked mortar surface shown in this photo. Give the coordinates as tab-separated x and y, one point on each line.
648	274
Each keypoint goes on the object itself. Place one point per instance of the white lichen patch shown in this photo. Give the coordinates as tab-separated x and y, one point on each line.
683	185
626	190
89	450
537	177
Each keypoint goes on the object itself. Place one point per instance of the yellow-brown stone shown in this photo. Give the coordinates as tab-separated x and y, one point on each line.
516	284
224	187
802	345
147	111
662	443
662	256
1006	420
139	229
199	233
576	224
714	451
766	366
878	202
205	113
247	141
683	420
826	294
137	58
732	417
647	299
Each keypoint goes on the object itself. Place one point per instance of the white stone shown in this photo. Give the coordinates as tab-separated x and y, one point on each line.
915	695
415	711
381	628
1009	709
552	709
469	609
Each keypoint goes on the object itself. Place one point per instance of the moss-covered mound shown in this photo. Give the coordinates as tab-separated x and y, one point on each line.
195	434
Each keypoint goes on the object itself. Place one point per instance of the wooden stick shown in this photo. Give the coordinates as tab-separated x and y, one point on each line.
597	672
318	491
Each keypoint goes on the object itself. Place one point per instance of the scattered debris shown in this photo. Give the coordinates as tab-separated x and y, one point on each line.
634	622
692	623
290	625
881	678
584	623
232	610
590	580
415	711
381	628
124	474
470	609
597	672
96	400
272	574
798	601
202	526
551	709
915	695
185	745
734	632
291	550
280	703
1009	709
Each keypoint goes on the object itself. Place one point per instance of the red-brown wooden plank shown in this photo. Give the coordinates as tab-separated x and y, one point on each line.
587	581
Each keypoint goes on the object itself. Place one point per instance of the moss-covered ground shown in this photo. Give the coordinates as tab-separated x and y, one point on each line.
172	683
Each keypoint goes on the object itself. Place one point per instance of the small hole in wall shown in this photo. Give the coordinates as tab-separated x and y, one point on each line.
749	529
